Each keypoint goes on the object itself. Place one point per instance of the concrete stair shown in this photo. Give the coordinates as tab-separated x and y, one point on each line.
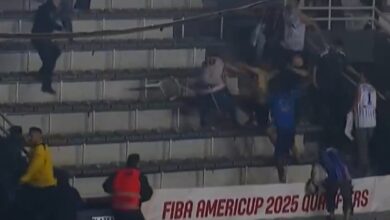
95	121
214	172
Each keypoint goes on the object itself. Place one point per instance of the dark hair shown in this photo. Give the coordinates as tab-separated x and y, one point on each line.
133	160
35	129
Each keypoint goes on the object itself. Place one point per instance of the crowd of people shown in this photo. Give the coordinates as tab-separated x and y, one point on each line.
32	188
279	80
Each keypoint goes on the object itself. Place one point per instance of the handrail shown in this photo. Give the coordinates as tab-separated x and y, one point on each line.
219	13
330	18
351	69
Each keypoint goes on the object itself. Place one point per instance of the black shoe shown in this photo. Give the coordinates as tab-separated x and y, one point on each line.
49	90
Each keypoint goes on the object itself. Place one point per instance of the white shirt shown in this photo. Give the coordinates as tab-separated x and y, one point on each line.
212	77
365	112
294	31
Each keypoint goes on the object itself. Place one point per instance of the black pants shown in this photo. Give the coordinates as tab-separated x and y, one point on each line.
331	189
133	215
35	204
48	52
284	144
332	118
221	101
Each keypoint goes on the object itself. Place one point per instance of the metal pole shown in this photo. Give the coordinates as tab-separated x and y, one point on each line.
204	178
178	119
330	15
127	149
17	92
221	28
212	146
170	143
194	57
161	179
93	129
113	59
103	91
136	120
61	91
49	124
20	25
373	14
182	29
111	4
83	154
246	175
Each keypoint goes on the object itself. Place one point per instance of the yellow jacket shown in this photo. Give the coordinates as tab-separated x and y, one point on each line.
40	169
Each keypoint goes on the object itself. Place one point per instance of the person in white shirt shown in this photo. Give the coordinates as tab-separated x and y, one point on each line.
365	121
213	93
295	23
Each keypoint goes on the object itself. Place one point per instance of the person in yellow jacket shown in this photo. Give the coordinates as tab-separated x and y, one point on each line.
37	195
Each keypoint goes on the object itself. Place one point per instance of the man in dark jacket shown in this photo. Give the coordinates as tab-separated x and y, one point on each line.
126	190
12	162
333	94
45	22
330	175
69	201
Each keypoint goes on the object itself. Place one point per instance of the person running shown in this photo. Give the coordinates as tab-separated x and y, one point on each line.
282	102
38	184
330	175
45	22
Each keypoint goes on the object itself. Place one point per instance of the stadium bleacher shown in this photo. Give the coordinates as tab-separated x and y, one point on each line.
111	102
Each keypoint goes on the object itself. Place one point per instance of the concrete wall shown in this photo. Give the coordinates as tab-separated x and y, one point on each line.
91	187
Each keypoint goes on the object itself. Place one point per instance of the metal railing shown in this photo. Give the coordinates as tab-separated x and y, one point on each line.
368	11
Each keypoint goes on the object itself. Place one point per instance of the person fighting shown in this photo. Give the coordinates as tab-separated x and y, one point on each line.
45	22
38	183
129	189
330	175
212	92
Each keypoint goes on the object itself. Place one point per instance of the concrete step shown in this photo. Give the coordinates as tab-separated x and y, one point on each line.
110	85
99	20
113	147
225	173
91	121
94	24
111	54
102	75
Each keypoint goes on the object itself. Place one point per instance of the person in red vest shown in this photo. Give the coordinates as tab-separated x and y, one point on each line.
129	189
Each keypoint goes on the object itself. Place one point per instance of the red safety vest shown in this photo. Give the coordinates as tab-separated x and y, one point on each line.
126	190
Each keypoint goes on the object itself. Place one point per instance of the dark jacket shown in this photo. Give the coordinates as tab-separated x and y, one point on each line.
69	201
146	189
330	67
45	19
11	159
